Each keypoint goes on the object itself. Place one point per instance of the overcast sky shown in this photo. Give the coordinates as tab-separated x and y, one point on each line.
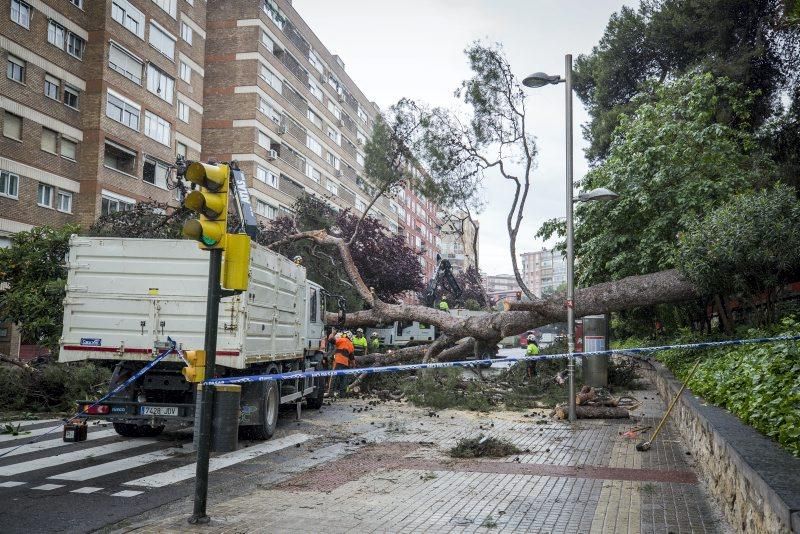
415	49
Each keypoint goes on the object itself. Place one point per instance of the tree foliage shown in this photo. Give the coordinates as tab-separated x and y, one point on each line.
33	273
144	219
676	158
755	43
749	245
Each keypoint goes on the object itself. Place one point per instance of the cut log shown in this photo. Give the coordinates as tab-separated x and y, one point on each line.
592	412
586	395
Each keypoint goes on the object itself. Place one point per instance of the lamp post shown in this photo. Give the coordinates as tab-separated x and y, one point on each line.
536	80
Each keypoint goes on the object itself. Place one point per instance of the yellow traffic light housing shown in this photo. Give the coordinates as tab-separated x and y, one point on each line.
196	370
236	262
210	202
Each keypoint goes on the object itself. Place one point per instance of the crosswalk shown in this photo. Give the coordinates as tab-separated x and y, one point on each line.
109	464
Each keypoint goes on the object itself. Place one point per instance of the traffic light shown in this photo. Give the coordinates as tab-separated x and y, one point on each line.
196	370
236	262
210	202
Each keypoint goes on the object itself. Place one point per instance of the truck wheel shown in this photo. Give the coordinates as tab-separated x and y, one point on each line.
318	398
266	428
130	430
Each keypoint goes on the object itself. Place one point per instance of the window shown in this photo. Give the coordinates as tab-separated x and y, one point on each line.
112	205
45	196
12	126
162	41
157	128
159	83
186	33
77	3
16	69
362	115
75	45
265	210
361	205
56	34
333	160
127	15
183	111
69	148
170	6
264	140
9	184
313	173
51	85
362	139
333	108
180	149
360	158
125	63
21	13
49	141
314	145
155	172
268	177
71	96
274	13
122	110
332	187
334	135
315	89
314	60
119	158
267	41
186	72
271	78
266	108
64	202
316	119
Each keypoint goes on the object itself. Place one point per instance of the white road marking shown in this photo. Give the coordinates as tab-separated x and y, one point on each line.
29	422
127	493
11	484
51	443
32	433
48	487
83	454
188	471
86	489
118	465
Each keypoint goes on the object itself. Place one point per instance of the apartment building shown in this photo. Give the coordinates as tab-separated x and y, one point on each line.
544	271
500	285
457	235
279	103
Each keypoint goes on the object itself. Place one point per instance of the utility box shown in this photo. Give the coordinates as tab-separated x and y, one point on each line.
595	368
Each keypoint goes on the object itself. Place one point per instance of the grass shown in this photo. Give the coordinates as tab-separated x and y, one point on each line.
483	447
489	522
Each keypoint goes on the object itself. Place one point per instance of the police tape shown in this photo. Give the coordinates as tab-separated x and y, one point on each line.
294	375
138	374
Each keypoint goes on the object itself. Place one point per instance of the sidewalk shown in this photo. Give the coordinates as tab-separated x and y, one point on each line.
400	479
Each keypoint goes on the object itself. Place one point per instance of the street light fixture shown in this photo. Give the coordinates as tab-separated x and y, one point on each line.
536	80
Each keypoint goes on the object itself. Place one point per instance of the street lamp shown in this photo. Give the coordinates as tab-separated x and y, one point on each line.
536	80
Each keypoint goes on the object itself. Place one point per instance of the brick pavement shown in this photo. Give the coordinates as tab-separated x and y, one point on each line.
398	478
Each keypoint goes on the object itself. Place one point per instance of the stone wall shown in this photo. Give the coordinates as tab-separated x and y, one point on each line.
756	484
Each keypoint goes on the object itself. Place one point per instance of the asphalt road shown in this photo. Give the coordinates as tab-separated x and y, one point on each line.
52	486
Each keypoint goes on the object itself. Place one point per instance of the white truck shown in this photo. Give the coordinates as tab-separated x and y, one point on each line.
124	297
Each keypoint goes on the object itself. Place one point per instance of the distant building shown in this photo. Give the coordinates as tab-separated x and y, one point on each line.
500	284
544	271
456	240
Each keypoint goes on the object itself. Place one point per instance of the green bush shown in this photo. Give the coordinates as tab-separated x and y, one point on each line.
758	383
52	387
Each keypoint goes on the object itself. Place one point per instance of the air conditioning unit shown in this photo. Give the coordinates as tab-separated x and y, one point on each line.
338	173
282	129
340	123
359	141
340	97
273	155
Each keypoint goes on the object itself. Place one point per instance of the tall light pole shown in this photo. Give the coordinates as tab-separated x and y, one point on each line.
540	79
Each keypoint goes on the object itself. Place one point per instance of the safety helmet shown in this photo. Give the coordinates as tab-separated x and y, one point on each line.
531	337
359	330
374	334
443	297
298	259
348	334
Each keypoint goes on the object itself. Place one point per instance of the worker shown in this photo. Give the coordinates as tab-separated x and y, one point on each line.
443	304
342	357
298	260
359	342
532	350
374	342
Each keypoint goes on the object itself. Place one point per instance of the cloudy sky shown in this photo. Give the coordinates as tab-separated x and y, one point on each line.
415	49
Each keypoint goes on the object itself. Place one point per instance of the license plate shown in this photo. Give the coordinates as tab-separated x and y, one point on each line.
160	410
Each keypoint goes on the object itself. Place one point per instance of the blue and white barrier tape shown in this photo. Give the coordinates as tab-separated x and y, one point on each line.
487	362
114	391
